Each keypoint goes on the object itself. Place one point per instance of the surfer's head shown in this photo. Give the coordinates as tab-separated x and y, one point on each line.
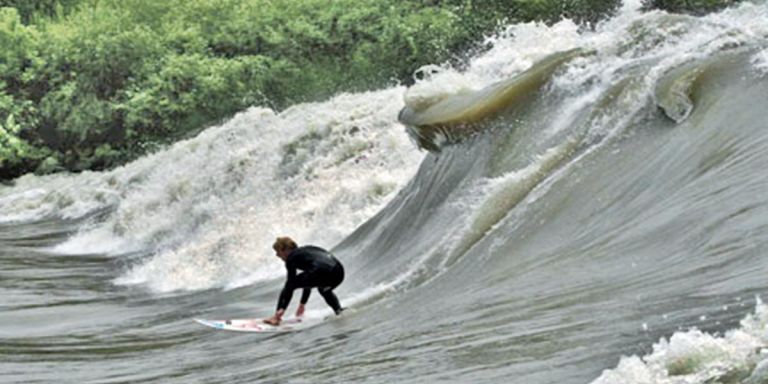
283	246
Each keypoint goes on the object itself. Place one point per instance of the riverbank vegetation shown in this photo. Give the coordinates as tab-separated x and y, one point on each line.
91	84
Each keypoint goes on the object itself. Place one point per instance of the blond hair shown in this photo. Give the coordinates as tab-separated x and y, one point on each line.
284	243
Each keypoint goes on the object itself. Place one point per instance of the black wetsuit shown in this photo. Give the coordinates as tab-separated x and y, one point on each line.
319	268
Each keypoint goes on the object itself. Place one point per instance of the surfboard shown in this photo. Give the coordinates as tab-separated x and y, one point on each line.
253	325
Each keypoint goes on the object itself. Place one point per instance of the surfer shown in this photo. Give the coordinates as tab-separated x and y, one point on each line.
320	269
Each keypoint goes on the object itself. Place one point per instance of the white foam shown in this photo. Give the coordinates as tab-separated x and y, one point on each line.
63	195
513	51
696	357
435	84
349	158
760	62
24	205
99	240
520	46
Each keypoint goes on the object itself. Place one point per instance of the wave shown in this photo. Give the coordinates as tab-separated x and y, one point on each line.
204	209
694	356
578	183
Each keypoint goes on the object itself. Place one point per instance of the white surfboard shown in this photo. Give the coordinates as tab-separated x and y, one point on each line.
254	325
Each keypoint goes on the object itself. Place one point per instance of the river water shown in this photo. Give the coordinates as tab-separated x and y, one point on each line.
575	206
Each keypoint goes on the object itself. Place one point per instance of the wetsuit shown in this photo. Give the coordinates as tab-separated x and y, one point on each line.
319	268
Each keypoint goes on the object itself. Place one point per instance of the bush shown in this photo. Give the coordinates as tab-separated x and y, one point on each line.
696	7
30	10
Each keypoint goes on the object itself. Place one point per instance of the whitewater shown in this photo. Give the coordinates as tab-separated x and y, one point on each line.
574	205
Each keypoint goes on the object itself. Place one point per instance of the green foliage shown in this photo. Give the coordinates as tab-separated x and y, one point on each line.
189	90
17	54
19	46
696	7
90	84
16	154
35	9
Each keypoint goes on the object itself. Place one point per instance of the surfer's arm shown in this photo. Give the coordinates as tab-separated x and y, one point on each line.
287	292
304	299
305	295
282	303
285	297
